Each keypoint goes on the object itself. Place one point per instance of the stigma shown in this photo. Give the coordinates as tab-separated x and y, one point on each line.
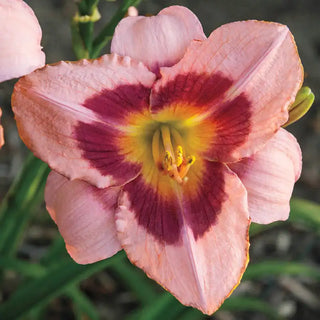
168	154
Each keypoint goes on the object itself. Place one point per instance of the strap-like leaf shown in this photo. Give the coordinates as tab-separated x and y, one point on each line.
41	290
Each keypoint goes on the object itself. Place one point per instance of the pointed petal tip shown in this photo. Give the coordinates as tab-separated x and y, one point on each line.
200	270
263	70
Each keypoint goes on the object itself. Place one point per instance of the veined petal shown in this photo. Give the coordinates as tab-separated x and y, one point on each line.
160	40
269	176
20	50
239	83
85	217
72	114
195	242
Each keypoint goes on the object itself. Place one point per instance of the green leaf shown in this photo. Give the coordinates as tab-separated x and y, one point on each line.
238	303
23	267
302	212
33	270
305	212
166	305
277	268
256	228
172	309
40	291
136	281
56	252
192	314
82	303
25	194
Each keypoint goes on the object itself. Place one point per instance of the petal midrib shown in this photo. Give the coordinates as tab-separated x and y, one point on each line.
253	69
188	239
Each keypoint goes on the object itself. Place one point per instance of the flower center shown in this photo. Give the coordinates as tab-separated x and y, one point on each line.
168	154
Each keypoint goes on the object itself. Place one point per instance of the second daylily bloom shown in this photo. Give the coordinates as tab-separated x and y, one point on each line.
20	36
169	147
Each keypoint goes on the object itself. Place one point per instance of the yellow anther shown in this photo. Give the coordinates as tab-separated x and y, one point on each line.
179	156
167	161
191	160
168	154
185	166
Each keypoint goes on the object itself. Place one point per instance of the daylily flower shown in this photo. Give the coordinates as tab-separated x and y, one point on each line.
20	36
168	147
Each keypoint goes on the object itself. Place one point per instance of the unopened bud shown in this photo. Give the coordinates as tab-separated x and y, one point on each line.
132	12
301	105
95	16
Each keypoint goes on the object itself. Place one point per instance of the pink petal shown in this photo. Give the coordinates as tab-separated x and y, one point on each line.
132	11
195	246
269	176
20	50
85	217
72	114
159	40
241	79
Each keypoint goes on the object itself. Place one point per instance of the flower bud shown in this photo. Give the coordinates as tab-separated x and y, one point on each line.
301	105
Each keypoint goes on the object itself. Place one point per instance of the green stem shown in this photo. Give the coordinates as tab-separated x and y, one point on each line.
86	33
82	31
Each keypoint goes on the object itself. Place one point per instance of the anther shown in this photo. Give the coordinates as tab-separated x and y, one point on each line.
167	161
179	156
171	162
191	160
185	166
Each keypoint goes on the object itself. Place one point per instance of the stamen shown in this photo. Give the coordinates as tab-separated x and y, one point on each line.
177	137
174	164
156	148
191	160
185	166
179	156
167	161
166	138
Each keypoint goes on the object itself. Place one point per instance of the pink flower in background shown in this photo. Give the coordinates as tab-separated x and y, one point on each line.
20	36
168	147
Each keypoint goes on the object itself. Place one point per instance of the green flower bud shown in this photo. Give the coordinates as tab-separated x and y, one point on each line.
301	105
95	16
